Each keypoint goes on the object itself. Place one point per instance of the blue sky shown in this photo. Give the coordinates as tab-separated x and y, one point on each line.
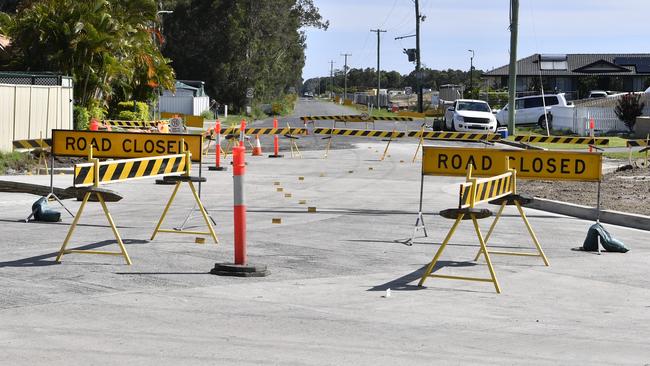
452	27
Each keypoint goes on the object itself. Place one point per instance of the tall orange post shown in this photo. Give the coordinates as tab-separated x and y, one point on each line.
276	143
217	153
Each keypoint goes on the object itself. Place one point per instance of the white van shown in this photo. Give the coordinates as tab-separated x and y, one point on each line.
530	110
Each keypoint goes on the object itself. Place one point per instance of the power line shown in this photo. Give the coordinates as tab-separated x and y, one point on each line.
378	31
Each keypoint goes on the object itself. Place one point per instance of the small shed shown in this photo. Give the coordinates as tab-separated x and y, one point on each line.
188	99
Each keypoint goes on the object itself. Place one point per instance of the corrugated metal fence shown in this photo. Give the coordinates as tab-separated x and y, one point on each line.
29	111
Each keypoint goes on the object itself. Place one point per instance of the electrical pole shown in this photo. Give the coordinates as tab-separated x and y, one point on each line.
471	72
331	73
512	69
345	76
378	31
418	75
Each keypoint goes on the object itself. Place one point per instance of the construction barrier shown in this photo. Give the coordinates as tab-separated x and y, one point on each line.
355	118
598	141
265	131
471	194
189	120
124	144
628	143
358	133
530	164
32	144
176	167
132	124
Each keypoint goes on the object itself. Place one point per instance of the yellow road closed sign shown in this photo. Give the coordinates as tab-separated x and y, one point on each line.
530	164
123	144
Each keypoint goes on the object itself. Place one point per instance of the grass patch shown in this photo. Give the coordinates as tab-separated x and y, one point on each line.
16	161
624	155
613	142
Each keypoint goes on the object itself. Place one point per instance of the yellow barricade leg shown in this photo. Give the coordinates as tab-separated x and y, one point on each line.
427	272
169	203
494	223
204	213
72	227
114	228
532	234
63	249
486	255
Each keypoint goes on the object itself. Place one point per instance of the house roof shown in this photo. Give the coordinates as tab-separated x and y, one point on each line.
605	64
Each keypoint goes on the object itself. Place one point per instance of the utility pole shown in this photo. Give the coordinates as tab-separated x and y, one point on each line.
331	74
512	69
345	76
378	31
471	72
418	75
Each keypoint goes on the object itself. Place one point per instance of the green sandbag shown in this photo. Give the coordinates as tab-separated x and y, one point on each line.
609	243
42	213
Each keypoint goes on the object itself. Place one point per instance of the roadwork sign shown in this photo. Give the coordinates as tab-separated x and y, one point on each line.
123	144
530	164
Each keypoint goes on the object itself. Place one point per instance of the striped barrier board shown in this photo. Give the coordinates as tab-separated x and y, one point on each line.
129	169
441	135
486	189
265	131
600	141
132	124
358	133
628	143
355	118
32	144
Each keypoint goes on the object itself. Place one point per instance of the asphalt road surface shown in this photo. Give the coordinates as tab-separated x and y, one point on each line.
325	301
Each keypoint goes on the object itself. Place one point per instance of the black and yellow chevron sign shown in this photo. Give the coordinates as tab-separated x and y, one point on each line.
441	135
355	118
133	124
265	131
600	141
358	133
32	144
487	189
628	143
129	169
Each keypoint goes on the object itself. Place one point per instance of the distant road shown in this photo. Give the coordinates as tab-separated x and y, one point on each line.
306	107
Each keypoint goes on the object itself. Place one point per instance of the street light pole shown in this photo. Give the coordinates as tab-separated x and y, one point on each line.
471	73
418	76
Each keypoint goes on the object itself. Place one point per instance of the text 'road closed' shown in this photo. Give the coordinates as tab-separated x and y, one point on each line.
123	144
530	164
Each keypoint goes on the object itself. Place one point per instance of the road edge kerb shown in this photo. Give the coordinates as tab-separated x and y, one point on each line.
625	219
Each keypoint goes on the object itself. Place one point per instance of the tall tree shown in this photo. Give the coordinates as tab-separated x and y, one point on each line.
233	45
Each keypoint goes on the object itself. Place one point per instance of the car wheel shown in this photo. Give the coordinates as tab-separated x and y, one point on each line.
542	121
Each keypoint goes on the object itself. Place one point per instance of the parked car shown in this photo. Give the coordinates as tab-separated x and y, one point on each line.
470	115
597	94
531	110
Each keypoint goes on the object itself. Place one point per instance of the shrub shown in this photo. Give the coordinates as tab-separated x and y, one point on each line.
81	117
19	162
137	111
628	109
207	114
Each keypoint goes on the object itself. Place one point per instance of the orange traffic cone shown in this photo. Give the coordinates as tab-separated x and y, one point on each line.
257	150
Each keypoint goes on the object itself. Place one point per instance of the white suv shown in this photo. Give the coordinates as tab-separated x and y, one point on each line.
530	110
470	115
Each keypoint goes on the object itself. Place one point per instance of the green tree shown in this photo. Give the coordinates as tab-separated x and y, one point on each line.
104	45
234	45
628	109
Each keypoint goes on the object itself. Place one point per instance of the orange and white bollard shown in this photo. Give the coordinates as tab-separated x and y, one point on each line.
241	267
217	153
592	125
242	134
276	143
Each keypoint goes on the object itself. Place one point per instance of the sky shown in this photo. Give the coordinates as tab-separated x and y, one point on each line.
452	27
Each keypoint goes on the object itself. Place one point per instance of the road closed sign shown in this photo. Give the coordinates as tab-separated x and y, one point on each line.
530	164
123	144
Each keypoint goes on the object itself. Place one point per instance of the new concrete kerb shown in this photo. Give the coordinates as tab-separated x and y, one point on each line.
589	213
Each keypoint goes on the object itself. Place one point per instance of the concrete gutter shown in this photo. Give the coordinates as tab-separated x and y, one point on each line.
641	222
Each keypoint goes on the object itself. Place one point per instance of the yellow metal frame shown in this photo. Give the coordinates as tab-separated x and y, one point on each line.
390	139
199	204
293	145
420	144
100	197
